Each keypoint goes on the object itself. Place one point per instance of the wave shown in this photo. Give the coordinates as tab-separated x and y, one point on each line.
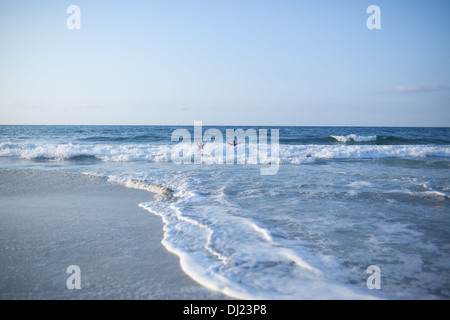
202	232
430	194
288	154
354	138
326	140
134	139
307	140
163	192
69	151
384	140
310	153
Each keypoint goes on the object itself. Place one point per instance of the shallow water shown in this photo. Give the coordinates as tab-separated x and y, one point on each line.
342	200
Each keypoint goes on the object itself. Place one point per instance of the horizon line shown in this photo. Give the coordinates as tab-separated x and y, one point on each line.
224	125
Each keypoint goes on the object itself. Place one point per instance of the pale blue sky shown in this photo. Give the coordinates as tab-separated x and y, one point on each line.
236	62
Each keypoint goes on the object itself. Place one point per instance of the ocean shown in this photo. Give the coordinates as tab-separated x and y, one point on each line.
344	199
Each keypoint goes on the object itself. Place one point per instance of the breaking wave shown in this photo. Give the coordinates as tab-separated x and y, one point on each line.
288	154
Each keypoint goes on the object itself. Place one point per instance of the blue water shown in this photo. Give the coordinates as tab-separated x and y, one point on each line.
343	199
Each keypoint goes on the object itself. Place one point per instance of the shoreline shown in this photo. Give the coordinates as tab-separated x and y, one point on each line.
53	219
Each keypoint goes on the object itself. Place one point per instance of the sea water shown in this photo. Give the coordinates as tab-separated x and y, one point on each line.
343	199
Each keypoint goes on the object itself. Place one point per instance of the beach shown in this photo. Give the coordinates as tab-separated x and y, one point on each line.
50	220
110	199
229	150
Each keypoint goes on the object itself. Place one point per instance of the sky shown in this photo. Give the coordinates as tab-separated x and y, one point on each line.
225	62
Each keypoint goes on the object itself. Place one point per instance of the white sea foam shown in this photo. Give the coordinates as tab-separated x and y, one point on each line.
307	153
162	191
105	152
432	194
355	138
358	184
232	253
288	154
265	233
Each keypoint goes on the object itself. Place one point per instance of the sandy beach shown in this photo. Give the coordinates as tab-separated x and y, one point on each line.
50	220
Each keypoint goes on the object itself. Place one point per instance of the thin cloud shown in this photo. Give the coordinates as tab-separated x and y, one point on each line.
30	105
417	89
91	106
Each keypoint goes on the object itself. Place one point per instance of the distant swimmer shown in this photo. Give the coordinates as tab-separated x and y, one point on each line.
234	143
201	145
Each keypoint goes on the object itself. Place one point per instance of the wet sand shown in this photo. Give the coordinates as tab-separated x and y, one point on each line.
50	220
